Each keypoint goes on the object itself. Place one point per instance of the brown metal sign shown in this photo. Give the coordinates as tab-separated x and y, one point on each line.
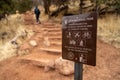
79	38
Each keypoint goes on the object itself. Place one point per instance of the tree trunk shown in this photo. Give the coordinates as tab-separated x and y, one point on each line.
81	3
46	6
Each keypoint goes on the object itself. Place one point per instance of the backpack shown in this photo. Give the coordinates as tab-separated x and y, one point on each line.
37	11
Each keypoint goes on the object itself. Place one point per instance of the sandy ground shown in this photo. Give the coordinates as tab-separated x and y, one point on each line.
17	68
108	67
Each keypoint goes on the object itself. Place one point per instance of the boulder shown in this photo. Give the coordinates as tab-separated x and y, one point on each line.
64	67
46	41
33	43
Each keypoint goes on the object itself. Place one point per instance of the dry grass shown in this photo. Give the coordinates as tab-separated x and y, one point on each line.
9	27
109	29
12	29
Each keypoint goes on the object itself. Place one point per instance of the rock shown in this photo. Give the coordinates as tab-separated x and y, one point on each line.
24	49
33	43
46	41
50	65
23	52
46	63
64	67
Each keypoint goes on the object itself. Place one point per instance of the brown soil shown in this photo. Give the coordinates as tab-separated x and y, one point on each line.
22	67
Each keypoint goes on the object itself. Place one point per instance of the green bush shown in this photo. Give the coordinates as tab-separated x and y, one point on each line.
117	6
24	5
5	6
11	6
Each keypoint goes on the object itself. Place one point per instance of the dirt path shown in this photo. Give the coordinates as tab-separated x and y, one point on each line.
48	38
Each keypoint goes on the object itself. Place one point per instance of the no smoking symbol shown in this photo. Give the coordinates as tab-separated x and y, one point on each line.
71	55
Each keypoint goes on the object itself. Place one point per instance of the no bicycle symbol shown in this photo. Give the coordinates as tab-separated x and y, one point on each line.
79	38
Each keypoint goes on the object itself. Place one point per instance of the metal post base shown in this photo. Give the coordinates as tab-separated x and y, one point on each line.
78	71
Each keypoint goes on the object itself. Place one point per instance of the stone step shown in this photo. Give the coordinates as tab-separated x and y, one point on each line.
53	43
55	40
51	27
52	30
45	33
41	55
48	35
38	62
41	59
49	24
51	50
51	46
60	26
56	43
55	37
54	34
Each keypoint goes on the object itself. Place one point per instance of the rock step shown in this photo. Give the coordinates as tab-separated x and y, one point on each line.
64	67
49	24
56	43
50	27
50	32
58	38
51	50
54	30
41	55
55	37
44	26
51	46
40	59
40	62
54	34
55	40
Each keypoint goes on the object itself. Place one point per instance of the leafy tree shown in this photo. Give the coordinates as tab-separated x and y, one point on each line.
5	6
24	5
117	6
110	4
11	6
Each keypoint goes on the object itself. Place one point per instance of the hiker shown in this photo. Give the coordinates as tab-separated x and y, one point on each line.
37	14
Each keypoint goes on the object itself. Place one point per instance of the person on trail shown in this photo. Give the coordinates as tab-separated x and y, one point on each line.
37	14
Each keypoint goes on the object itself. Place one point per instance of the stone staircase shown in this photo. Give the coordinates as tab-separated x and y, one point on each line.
53	35
46	48
48	36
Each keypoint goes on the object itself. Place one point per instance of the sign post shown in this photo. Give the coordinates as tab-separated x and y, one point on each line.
78	71
79	40
78	74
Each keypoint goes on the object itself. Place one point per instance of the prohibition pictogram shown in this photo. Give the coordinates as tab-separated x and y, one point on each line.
86	34
72	42
77	34
75	38
71	55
